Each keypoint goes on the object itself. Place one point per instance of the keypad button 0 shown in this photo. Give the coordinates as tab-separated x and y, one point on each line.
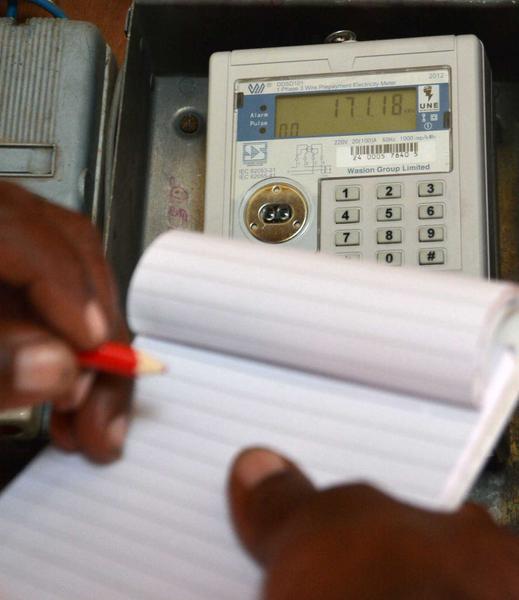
347	215
434	233
432	256
389	213
430	211
389	190
347	238
347	192
430	188
393	258
389	236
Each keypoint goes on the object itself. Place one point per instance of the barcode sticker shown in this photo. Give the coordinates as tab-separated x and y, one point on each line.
383	154
408	148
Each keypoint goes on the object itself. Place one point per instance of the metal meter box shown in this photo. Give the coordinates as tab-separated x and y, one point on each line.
159	165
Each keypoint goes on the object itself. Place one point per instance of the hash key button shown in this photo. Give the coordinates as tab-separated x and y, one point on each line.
434	256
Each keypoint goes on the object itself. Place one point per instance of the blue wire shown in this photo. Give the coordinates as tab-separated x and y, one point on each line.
12	9
54	10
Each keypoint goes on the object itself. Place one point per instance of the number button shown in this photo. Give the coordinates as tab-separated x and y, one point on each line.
389	236
430	211
430	188
347	215
431	234
433	256
351	255
389	213
390	258
389	190
347	238
347	192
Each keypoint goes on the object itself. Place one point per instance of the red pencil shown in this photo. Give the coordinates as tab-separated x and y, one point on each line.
114	357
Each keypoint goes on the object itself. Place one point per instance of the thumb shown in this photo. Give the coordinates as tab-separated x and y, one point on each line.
265	489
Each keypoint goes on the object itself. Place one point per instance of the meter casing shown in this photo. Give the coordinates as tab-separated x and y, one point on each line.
247	163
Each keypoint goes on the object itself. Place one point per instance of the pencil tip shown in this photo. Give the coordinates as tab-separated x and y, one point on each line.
148	365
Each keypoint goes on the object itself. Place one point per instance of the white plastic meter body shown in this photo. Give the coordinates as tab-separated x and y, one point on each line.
375	150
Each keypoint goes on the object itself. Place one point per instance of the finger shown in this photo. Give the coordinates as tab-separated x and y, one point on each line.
85	237
62	431
34	365
76	397
101	424
37	256
265	489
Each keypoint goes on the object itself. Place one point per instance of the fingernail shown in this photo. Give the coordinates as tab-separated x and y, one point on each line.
45	368
96	322
117	431
254	466
81	389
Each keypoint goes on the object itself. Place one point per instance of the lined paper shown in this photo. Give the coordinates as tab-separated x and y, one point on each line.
155	524
421	333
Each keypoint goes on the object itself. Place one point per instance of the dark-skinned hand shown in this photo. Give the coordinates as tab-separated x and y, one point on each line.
57	297
353	542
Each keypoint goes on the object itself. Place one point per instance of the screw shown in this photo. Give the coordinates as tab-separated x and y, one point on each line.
276	189
338	37
296	224
189	123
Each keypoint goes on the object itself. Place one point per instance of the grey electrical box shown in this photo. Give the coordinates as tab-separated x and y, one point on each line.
55	85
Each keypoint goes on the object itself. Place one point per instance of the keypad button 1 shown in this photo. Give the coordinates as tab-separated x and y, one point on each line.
432	256
430	188
347	238
430	211
347	215
347	192
351	255
434	233
389	236
389	213
390	258
389	190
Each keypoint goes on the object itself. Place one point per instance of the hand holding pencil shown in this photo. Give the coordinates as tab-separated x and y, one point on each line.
58	299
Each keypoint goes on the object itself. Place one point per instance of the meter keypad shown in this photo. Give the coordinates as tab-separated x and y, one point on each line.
389	236
434	233
390	258
430	211
347	238
389	190
347	192
347	215
416	225
389	213
430	188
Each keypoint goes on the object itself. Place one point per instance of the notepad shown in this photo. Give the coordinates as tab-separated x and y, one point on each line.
399	378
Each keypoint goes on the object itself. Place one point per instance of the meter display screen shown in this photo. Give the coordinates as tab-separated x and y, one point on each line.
344	113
